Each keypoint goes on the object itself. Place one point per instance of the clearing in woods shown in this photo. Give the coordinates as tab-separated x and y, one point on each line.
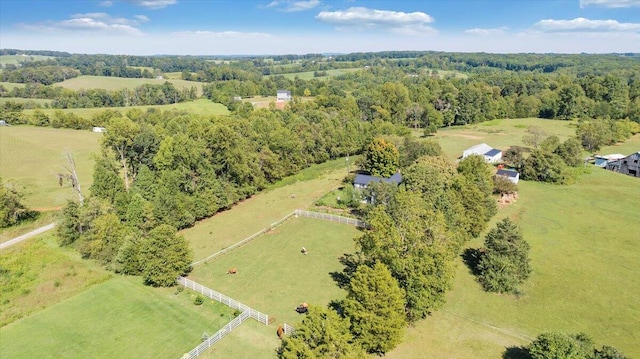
119	83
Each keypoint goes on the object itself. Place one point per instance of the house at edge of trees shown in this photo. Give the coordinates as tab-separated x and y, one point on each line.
362	181
283	95
601	161
490	154
629	165
511	175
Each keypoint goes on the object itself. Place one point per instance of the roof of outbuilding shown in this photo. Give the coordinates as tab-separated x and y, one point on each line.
366	179
507	173
492	152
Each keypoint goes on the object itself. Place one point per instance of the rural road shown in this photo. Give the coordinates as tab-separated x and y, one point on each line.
27	236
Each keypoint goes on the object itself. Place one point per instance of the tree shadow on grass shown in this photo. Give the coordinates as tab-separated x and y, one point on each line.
351	263
516	353
471	257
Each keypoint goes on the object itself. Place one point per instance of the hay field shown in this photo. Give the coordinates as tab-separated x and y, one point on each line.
119	83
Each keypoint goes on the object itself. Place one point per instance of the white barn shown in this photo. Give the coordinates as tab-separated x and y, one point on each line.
490	154
283	95
512	176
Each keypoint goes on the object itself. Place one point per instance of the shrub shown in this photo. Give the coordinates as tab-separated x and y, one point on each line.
199	300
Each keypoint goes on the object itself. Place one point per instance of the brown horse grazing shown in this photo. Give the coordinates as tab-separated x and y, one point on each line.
232	271
280	332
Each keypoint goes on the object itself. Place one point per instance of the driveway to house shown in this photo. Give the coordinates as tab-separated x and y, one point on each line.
27	236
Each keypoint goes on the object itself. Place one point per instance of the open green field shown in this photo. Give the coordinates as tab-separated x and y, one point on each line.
120	318
497	133
16	59
10	85
273	276
200	107
308	75
26	226
37	101
119	83
32	157
37	274
260	211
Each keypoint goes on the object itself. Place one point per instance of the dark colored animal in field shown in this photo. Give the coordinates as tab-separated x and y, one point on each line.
302	308
280	332
303	251
232	271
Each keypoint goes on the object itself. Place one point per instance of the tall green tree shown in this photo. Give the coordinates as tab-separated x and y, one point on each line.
119	136
381	158
12	210
164	256
552	345
412	242
322	334
504	264
375	307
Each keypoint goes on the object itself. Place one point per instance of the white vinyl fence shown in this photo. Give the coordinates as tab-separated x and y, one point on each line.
288	330
331	217
206	344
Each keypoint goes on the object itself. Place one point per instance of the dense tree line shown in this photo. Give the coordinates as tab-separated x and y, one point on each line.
12	210
555	345
45	75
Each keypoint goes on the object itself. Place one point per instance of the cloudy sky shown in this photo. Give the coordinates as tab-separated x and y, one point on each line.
224	27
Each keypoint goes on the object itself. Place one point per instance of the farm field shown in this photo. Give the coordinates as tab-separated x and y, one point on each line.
10	85
273	276
583	271
37	274
497	133
118	83
199	107
33	156
252	215
119	318
16	59
308	75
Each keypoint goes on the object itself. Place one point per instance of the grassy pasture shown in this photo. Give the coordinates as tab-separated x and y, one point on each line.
120	318
16	59
585	259
273	276
33	156
36	274
119	83
11	85
200	107
308	75
250	216
27	226
38	101
497	134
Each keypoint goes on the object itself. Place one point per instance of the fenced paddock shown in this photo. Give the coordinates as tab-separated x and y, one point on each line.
195	352
331	217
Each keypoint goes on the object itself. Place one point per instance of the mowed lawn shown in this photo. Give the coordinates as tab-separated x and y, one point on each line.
308	75
32	157
198	107
120	318
119	83
585	253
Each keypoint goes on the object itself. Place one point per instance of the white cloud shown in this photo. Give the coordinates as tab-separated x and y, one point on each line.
408	23
610	3
92	22
293	6
106	3
487	32
223	34
581	24
153	4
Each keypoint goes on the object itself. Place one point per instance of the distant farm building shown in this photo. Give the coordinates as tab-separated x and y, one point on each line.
98	129
601	161
237	98
362	181
511	175
490	154
283	96
629	165
3	123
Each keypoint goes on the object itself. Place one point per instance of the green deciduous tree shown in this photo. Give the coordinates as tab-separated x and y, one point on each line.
381	158
322	334
375	306
504	265
553	345
12	210
164	256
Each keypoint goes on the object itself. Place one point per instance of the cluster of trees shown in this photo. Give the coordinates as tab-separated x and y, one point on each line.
12	210
554	345
168	169
45	75
405	260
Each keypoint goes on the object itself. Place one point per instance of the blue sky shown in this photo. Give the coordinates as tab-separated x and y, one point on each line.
222	27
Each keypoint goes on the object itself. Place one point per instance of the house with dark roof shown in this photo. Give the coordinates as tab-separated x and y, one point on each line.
511	175
362	181
629	165
490	154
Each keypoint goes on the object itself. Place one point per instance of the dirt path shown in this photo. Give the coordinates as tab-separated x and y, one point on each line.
27	236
